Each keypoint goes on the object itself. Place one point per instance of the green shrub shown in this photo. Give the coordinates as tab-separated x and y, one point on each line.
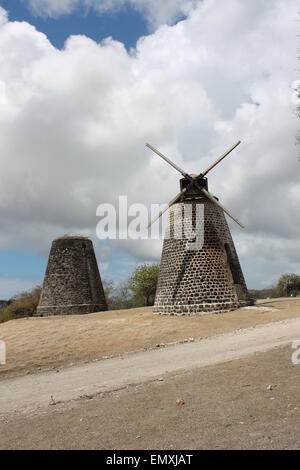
22	306
143	283
138	291
288	284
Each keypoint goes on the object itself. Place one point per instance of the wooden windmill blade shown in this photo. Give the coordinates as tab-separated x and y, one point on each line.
194	182
176	198
220	159
166	159
210	196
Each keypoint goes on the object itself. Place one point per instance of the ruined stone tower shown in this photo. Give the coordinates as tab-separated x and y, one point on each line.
72	282
200	270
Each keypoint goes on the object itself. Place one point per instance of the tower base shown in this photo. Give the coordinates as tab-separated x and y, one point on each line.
68	310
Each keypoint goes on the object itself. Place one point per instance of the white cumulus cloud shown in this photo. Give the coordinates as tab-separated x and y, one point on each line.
75	122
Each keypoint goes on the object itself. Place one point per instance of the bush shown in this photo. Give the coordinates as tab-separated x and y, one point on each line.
271	293
22	306
117	298
143	283
138	291
288	284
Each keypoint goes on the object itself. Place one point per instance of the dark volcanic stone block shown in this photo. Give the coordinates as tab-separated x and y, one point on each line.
72	283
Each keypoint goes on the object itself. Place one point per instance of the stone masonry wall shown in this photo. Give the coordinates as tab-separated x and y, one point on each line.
209	279
72	282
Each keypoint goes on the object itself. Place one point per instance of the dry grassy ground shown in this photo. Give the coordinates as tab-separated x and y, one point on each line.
226	406
45	343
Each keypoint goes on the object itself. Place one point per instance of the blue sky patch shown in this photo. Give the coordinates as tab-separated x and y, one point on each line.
126	25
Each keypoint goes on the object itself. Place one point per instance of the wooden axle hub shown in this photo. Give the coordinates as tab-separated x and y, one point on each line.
193	190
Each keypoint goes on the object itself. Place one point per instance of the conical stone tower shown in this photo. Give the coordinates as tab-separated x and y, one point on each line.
199	279
200	270
72	282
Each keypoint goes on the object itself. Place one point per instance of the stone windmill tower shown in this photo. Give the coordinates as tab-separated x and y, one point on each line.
200	270
72	283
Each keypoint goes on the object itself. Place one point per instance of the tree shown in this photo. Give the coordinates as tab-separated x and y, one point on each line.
143	283
118	297
22	306
288	283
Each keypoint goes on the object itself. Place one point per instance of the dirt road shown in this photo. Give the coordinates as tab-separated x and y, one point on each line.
35	344
30	392
226	406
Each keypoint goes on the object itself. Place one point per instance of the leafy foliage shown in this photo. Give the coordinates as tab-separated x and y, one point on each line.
271	293
288	284
117	298
24	305
138	291
143	283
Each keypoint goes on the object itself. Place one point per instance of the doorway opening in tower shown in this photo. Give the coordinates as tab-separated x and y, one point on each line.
234	271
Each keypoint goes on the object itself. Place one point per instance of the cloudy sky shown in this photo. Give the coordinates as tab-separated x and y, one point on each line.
84	84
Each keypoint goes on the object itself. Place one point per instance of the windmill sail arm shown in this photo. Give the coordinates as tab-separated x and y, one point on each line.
176	198
210	196
166	159
221	158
